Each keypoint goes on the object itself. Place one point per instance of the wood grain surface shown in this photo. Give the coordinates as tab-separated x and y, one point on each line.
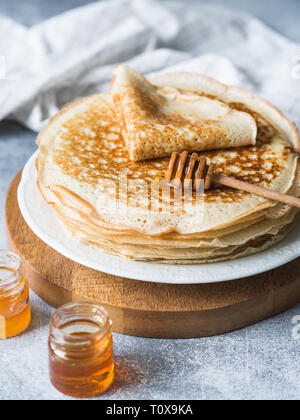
151	309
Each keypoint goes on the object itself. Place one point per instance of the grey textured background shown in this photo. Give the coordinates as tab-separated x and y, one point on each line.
260	362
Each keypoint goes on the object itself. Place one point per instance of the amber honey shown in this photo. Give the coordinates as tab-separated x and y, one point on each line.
14	296
81	350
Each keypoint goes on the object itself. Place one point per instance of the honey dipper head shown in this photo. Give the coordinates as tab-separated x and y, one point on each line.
189	169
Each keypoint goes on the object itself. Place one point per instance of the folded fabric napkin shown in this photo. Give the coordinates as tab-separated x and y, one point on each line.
73	55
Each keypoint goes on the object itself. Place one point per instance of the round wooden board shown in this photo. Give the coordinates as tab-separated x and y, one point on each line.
150	309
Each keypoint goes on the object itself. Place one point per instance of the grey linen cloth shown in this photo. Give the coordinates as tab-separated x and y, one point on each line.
72	55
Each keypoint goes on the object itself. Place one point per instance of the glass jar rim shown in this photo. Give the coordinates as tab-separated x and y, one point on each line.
12	261
73	313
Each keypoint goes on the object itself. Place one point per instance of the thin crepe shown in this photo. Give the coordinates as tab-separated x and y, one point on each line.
155	123
82	153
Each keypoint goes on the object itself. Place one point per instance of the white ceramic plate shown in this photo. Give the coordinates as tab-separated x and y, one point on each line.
42	219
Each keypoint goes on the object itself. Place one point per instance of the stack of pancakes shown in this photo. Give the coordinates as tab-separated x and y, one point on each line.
104	198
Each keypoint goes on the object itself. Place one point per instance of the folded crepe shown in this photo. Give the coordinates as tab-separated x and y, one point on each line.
157	122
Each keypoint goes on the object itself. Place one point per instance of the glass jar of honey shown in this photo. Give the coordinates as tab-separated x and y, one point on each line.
81	359
14	295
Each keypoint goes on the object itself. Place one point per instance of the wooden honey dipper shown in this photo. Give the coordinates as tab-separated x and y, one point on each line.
187	169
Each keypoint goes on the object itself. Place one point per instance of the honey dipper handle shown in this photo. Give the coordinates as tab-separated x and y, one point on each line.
254	189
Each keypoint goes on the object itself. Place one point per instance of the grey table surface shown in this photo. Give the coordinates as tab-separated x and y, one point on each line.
259	362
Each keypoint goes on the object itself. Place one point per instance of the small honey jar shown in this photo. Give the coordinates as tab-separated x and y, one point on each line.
14	295
81	359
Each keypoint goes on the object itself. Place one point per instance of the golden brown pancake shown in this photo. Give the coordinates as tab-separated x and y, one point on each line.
82	157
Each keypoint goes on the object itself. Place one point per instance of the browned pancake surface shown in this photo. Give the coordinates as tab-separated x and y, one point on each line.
92	149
